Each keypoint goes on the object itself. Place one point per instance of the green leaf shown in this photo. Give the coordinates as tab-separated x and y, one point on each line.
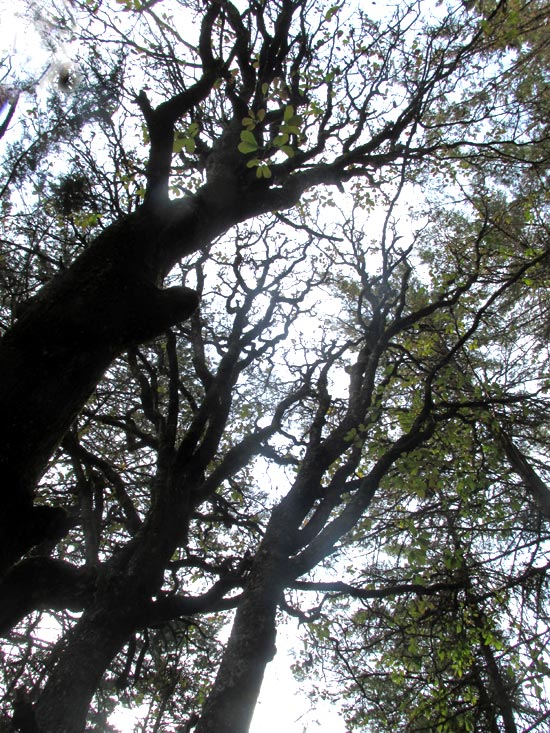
246	148
185	139
289	129
281	140
288	113
248	137
295	121
248	142
179	144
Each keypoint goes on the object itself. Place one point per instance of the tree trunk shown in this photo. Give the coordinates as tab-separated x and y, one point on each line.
57	351
122	592
67	335
64	703
539	491
500	694
251	646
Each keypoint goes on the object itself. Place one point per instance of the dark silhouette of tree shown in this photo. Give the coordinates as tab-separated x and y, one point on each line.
173	453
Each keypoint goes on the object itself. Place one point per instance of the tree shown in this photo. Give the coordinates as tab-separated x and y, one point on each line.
141	426
446	631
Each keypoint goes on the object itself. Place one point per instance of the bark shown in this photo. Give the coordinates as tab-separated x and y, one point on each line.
51	360
251	646
62	343
68	335
12	103
532	481
500	694
122	596
57	351
486	703
95	640
39	583
123	589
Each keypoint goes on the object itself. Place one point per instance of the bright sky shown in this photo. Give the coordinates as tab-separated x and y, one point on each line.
19	37
283	707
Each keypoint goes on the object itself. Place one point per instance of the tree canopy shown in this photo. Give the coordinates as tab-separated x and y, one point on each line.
275	325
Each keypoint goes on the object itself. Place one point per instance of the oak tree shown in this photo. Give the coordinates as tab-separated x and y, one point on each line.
230	349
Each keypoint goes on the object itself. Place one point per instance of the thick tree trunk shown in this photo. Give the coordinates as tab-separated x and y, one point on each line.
123	591
64	704
57	351
251	646
54	355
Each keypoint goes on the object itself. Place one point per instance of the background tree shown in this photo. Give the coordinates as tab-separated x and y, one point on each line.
164	464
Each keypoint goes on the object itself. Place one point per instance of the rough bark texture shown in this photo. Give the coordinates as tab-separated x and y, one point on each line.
98	636
122	594
251	646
